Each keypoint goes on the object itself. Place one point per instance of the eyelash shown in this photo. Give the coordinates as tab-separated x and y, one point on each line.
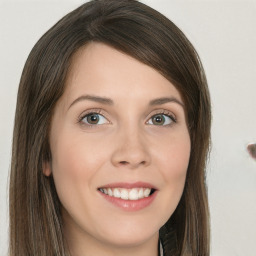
99	112
90	112
164	113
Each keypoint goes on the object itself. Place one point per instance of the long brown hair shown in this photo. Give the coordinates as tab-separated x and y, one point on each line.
143	33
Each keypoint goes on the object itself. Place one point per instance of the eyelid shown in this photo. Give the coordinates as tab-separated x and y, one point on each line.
91	111
101	112
162	112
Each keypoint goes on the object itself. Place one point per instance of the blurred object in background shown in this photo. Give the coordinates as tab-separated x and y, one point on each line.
252	150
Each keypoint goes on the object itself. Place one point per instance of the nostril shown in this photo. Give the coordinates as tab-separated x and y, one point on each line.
124	162
130	163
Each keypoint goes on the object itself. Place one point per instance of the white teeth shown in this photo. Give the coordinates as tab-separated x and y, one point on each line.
116	193
147	192
124	194
133	194
110	192
127	194
141	193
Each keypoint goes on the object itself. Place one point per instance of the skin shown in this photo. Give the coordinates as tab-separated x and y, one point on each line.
125	146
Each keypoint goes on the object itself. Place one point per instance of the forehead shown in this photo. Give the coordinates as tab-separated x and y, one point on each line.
100	69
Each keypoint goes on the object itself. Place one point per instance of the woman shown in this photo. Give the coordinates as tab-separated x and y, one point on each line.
111	136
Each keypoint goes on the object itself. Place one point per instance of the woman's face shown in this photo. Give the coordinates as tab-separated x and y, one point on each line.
119	130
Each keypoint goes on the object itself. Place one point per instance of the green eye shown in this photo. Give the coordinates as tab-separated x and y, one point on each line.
94	119
161	119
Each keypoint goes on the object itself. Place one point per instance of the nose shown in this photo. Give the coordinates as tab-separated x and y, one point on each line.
131	150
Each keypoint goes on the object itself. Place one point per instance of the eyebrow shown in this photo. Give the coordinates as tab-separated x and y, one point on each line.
98	99
108	101
161	101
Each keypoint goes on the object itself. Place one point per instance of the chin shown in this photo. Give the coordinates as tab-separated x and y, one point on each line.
125	239
129	232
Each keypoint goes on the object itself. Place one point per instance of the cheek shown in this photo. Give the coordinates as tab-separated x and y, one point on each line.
174	156
76	155
74	165
173	164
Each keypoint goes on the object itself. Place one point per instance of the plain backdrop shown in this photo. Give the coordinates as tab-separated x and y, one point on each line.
224	34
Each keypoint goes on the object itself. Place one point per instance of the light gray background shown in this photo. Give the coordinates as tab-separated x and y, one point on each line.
224	33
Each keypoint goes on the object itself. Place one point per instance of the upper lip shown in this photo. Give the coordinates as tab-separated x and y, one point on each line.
127	185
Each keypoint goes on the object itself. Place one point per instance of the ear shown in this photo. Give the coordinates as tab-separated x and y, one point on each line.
47	168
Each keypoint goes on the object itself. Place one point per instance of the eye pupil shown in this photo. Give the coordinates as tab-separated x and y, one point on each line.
93	119
158	119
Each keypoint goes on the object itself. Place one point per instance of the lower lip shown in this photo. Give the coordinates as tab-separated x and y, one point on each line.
130	205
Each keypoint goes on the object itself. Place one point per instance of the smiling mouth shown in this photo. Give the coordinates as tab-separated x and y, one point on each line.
128	194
